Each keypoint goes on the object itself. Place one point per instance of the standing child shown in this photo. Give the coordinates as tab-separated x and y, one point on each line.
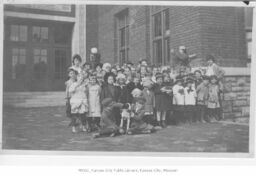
178	100
160	105
94	91
79	103
148	95
213	103
202	97
190	100
72	74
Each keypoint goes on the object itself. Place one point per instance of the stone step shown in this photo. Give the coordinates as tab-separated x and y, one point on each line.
33	99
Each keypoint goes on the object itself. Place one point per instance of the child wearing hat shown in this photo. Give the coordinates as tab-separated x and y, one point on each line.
160	106
178	99
202	97
190	100
148	95
138	126
213	103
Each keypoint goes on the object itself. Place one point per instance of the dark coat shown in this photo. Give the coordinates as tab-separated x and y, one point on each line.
162	102
107	118
124	96
137	123
110	91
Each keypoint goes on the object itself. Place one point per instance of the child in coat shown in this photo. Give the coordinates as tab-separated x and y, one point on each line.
160	105
94	91
202	97
213	102
138	126
148	95
190	100
108	126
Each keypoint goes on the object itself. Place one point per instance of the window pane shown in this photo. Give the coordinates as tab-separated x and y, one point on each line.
157	25
166	19
122	37
166	50
43	52
14	33
37	52
23	33
22	51
36	34
44	34
60	64
18	63
158	51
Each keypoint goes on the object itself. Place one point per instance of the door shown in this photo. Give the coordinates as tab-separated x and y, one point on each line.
61	63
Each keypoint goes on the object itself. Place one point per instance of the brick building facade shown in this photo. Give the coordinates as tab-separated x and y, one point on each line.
129	33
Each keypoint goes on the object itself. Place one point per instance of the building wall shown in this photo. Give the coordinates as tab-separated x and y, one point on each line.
203	30
91	23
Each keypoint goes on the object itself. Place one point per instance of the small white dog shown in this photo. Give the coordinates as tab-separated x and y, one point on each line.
126	114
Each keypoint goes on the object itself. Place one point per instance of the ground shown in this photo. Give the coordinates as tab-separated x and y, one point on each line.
46	128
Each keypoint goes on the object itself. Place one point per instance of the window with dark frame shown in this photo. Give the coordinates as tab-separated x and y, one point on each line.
160	37
19	33
123	36
40	34
40	63
60	63
18	63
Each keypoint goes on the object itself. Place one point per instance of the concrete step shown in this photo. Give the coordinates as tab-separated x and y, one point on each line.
33	99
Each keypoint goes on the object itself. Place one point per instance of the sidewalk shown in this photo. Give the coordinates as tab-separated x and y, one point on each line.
46	128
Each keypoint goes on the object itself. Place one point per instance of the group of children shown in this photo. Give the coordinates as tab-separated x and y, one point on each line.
143	97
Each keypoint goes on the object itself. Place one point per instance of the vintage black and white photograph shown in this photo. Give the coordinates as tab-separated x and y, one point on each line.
127	78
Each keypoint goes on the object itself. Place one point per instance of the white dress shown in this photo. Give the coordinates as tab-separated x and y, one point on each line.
78	100
94	100
178	97
190	97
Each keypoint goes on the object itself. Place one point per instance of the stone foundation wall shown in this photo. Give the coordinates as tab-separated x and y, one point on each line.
236	98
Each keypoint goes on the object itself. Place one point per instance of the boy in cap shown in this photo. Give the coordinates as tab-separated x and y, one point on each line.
202	97
108	125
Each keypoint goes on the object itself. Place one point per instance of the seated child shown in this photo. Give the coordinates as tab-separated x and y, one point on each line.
138	126
108	125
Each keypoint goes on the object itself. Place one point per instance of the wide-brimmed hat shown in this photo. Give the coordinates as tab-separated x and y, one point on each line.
120	76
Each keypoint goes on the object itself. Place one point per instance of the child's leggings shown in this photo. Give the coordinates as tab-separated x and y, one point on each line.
161	115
